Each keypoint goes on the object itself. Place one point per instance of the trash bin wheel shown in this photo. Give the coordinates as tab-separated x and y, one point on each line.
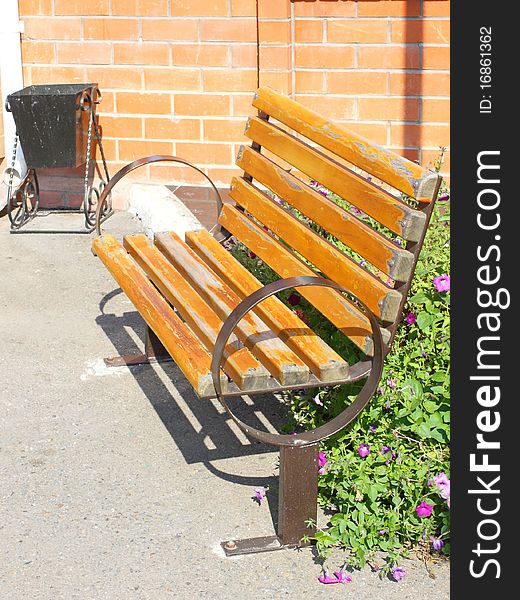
23	201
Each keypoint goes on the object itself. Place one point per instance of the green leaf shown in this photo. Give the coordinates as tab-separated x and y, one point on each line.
424	320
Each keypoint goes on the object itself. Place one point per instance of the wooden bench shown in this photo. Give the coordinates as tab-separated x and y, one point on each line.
229	334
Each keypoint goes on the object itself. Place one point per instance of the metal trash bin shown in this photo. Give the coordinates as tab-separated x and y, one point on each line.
52	123
57	127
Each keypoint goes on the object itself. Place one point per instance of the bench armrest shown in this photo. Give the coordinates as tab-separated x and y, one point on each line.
140	162
372	368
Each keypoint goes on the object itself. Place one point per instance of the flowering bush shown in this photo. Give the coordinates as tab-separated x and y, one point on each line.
384	479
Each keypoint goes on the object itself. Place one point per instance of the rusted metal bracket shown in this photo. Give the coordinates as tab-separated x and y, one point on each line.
154	352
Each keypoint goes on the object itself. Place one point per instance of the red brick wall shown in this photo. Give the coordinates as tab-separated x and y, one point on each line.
177	76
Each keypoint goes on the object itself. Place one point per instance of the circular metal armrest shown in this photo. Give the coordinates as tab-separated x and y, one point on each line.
140	163
338	422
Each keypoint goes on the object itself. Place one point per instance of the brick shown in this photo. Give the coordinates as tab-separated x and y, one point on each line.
428	31
223	177
325	8
308	30
388	57
375	132
82	8
140	8
172	174
56	28
58	74
172	79
229	80
229	30
132	149
279	80
357	30
121	127
435	109
274	32
114	77
203	55
243	8
333	107
242	104
275	58
142	102
356	82
204	153
108	105
388	109
436	57
324	57
310	81
420	84
244	55
409	153
110	29
198	8
93	53
436	8
430	158
147	53
35	7
38	52
390	8
274	9
174	30
224	130
172	128
419	135
202	105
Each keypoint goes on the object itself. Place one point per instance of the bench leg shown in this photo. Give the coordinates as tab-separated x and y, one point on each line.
297	503
154	351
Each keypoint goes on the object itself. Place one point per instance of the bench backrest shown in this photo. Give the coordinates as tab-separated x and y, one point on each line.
378	233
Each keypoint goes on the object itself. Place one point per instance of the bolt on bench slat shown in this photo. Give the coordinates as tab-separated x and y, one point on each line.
324	362
243	368
276	357
185	349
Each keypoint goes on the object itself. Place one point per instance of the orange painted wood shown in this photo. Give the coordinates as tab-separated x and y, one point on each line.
376	202
240	364
337	309
405	175
360	237
276	357
324	362
185	349
382	301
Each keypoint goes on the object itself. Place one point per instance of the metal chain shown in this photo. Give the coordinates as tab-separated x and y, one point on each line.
13	162
87	164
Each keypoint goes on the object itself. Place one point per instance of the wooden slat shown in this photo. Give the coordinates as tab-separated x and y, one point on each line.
276	357
403	174
374	247
185	349
382	301
324	362
332	305
376	202
240	364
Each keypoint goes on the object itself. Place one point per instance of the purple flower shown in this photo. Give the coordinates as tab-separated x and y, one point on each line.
386	450
342	577
424	509
442	283
328	579
363	450
317	400
443	198
391	383
259	494
410	319
443	484
294	299
322	461
252	254
436	543
372	428
398	573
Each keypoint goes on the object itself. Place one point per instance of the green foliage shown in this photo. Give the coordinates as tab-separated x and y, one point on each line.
372	500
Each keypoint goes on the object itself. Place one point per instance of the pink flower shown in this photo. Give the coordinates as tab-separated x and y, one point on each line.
391	383
410	319
301	314
443	484
442	283
342	577
424	509
259	494
437	544
398	573
328	579
317	400
363	450
322	459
